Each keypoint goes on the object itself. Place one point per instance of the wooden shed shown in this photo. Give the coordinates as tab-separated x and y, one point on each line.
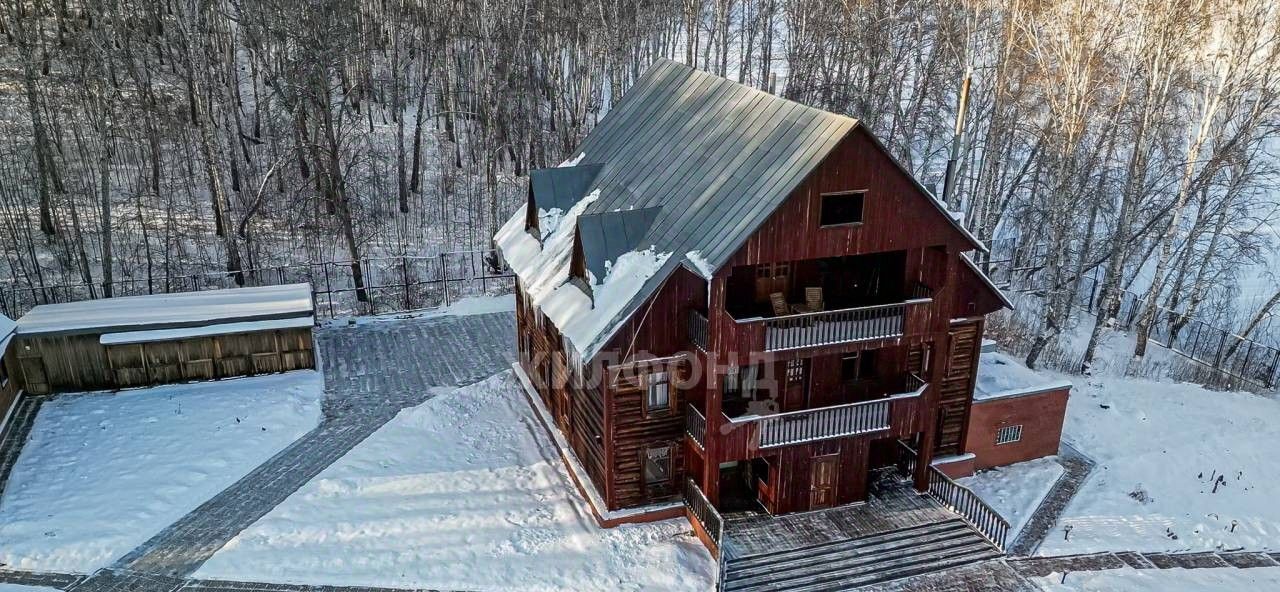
163	338
8	386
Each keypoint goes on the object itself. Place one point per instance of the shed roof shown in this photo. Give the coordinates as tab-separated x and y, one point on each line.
168	311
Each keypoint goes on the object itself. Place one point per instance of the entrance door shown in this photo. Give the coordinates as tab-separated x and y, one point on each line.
34	380
822	475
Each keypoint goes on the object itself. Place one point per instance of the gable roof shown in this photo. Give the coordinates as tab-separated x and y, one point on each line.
608	235
706	159
561	187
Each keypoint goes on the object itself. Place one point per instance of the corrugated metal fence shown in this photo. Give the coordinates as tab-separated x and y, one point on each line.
391	284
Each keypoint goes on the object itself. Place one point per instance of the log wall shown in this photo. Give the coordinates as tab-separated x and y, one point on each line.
79	362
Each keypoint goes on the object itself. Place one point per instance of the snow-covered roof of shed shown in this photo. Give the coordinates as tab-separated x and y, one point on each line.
166	311
1000	376
6	326
712	157
6	332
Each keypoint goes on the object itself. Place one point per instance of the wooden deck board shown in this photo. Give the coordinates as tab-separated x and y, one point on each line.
891	505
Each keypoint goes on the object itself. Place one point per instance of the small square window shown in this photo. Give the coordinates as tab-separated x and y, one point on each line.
842	208
657	466
658	396
1009	434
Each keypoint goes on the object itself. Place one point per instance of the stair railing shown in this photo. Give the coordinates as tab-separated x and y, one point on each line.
961	500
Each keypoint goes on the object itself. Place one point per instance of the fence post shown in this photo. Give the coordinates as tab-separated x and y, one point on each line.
1275	365
1217	356
404	273
444	278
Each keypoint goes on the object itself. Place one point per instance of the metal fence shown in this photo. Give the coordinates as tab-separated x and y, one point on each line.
389	284
1016	268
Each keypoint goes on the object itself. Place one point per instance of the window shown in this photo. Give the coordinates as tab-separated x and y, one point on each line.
842	208
1008	434
657	468
858	366
740	382
795	370
658	397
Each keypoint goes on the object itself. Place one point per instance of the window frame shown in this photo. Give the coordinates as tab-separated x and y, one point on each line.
862	207
648	383
864	358
667	456
1009	434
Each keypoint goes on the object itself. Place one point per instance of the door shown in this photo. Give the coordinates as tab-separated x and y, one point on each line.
822	474
796	383
34	380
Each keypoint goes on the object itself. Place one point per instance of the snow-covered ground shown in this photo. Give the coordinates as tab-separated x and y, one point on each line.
1164	580
1179	468
1015	490
466	492
104	472
17	588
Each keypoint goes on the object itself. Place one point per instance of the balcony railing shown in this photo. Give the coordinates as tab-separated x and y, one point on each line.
747	435
846	325
695	424
698	329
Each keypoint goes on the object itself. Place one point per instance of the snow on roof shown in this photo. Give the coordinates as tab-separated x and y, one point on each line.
543	269
168	311
204	331
6	326
1000	376
6	333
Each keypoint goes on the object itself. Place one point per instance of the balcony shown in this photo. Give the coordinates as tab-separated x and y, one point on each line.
834	327
750	435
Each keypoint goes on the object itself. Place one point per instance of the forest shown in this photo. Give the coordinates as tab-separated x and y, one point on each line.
1132	145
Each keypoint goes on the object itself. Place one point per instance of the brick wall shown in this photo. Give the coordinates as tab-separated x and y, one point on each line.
1039	414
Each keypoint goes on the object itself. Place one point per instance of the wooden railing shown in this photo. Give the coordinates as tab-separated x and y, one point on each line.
698	329
965	502
706	514
695	424
824	423
920	291
846	325
809	425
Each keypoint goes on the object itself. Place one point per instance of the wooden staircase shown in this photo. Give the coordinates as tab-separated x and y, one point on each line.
855	563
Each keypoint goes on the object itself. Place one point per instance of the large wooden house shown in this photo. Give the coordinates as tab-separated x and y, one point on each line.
730	295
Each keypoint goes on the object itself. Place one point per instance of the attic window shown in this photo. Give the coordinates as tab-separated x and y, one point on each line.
842	208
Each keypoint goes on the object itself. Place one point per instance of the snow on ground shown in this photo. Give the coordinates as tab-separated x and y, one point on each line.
1016	490
1160	449
466	492
17	588
103	472
1164	580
